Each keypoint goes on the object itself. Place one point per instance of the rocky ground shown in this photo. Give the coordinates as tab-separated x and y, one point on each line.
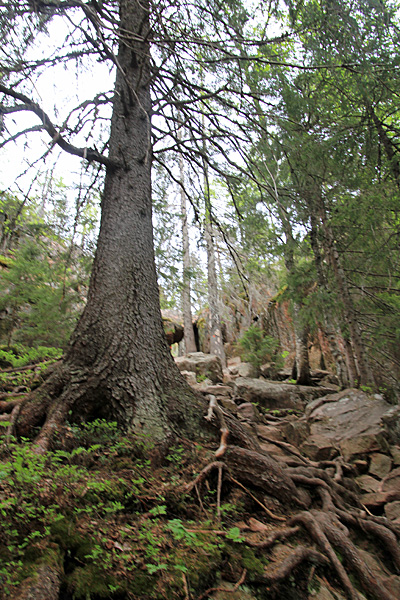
298	497
353	435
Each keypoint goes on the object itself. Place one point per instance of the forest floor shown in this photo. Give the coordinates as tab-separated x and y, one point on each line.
96	517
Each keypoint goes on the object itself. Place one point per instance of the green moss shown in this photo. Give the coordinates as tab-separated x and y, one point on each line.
88	581
142	584
36	557
250	562
64	533
241	557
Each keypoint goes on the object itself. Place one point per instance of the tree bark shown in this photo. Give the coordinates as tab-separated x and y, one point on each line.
302	370
190	343
303	373
365	376
341	371
216	341
118	365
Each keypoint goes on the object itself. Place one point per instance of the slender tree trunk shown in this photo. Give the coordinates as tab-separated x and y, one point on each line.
190	343
365	376
118	365
351	363
341	371
216	341
303	374
389	147
302	369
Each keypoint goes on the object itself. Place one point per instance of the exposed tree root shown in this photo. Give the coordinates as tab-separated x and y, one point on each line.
278	535
269	512
264	472
13	417
224	590
214	408
202	475
323	512
6	406
329	526
300	554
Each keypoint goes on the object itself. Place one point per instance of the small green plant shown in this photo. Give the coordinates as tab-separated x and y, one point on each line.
158	510
257	348
366	388
20	356
176	455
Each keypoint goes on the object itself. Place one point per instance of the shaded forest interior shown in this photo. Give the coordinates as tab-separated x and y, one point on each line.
236	166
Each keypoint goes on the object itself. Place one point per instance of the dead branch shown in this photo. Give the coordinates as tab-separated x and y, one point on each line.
213	407
203	473
56	138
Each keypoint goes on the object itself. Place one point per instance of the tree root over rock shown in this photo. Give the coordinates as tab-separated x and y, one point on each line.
317	516
331	517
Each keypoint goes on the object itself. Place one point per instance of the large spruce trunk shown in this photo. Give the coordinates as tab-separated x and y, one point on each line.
118	364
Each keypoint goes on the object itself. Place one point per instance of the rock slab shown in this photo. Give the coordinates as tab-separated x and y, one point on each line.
350	420
275	395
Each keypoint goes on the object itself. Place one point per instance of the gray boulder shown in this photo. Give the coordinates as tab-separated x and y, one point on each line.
276	395
247	370
350	420
203	365
173	326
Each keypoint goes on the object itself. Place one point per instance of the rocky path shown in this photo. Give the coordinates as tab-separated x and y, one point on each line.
340	449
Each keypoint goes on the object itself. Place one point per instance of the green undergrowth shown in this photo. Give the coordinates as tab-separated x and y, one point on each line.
112	523
15	377
18	356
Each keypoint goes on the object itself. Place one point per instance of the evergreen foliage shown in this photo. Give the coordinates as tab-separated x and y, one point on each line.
44	272
257	348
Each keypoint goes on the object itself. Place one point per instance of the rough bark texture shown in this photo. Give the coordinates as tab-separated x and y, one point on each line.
364	372
351	364
108	371
262	471
327	327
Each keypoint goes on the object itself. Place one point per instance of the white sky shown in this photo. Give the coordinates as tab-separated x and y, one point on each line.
58	90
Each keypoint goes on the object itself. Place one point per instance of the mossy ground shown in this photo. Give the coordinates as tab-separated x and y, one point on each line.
116	526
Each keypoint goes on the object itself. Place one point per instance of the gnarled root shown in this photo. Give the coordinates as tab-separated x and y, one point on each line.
329	526
300	554
264	472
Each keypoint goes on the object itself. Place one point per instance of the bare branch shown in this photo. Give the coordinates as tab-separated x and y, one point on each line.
90	154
